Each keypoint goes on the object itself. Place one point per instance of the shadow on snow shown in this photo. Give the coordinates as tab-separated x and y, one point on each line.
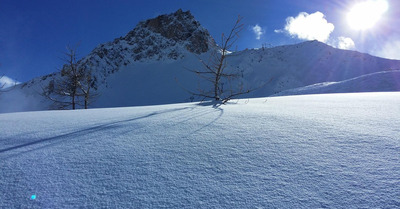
113	125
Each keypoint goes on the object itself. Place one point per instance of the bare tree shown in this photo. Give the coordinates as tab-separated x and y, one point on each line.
215	70
86	84
73	84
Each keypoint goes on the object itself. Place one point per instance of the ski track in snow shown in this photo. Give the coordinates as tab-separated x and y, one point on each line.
314	151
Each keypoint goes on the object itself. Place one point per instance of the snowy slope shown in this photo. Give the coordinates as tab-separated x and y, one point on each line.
307	63
374	82
150	83
149	66
315	151
148	60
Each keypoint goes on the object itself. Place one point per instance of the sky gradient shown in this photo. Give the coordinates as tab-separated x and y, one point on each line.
34	34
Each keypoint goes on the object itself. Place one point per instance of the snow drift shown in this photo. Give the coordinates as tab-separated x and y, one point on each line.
315	151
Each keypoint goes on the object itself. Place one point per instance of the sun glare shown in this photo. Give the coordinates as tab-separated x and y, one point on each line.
366	14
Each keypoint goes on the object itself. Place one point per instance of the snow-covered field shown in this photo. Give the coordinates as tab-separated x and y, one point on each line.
314	151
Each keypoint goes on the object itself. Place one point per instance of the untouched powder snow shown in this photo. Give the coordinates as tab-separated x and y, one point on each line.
314	151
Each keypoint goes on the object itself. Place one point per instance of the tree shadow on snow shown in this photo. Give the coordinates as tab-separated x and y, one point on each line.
211	103
214	104
51	141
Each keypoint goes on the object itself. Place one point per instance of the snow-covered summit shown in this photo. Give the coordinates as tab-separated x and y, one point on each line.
160	38
177	28
166	37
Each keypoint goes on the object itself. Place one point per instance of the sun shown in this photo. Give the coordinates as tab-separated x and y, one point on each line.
365	15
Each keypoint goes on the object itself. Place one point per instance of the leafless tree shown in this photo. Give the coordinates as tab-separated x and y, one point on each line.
86	84
215	70
72	86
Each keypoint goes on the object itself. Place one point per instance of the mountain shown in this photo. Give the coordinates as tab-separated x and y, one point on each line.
307	63
150	66
166	37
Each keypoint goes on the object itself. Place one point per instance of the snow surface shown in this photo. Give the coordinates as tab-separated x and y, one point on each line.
314	151
374	82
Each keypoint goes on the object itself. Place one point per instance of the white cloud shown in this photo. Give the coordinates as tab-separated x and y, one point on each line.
390	50
345	43
342	43
6	82
309	27
258	31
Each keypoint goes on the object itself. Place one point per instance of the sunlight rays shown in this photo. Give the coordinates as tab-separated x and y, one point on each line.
365	15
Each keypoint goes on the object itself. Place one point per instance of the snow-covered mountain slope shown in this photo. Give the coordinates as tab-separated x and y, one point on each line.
314	151
150	55
267	71
149	66
374	82
163	39
299	65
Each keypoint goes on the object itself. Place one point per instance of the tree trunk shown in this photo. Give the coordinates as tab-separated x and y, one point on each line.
73	102
216	93
86	101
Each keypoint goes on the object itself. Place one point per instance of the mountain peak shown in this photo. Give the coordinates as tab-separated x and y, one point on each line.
166	37
177	27
170	25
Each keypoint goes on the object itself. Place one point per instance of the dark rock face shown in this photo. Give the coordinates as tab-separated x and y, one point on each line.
178	27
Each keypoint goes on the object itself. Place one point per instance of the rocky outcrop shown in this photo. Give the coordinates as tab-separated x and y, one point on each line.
169	30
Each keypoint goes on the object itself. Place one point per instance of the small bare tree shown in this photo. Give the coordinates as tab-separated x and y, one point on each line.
86	84
73	84
215	70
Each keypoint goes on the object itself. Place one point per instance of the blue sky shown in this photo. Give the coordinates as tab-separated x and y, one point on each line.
34	34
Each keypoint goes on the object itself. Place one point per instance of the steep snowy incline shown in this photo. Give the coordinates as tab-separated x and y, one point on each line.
314	151
375	82
152	83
